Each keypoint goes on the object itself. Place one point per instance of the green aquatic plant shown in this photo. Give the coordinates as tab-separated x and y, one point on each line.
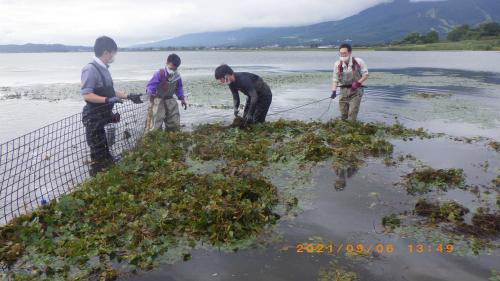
334	273
444	212
426	179
495	276
205	186
423	95
496	181
392	221
495	145
483	223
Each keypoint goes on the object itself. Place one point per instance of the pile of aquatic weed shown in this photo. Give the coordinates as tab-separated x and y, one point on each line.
450	223
495	145
496	181
132	215
424	95
330	274
426	179
483	223
392	221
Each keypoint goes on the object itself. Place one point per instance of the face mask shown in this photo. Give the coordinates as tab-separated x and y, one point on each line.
169	71
227	81
111	60
344	59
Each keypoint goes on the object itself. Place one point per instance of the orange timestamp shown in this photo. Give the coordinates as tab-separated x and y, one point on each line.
362	248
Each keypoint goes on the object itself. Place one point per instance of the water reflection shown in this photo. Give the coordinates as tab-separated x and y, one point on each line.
343	174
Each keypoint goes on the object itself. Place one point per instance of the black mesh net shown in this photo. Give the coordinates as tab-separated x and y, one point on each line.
54	160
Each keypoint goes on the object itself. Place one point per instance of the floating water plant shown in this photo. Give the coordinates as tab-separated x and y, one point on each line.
444	212
153	199
484	222
495	145
427	179
423	95
392	221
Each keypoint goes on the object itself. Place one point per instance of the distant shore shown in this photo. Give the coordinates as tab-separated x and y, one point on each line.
468	45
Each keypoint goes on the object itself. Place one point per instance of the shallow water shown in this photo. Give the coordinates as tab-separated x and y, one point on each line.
36	89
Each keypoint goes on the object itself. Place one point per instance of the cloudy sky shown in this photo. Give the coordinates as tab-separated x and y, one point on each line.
131	21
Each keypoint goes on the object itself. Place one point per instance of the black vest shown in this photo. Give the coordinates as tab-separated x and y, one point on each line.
98	111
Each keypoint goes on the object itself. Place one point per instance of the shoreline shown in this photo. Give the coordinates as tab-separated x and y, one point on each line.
435	47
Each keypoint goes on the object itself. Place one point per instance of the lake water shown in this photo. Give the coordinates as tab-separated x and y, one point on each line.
464	90
37	89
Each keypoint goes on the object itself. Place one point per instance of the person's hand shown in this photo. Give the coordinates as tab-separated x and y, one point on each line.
184	104
334	95
113	100
248	119
135	98
356	85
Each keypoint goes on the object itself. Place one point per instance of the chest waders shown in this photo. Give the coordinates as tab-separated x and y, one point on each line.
94	117
164	108
350	100
264	102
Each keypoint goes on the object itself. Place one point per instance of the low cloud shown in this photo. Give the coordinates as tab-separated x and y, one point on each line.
129	22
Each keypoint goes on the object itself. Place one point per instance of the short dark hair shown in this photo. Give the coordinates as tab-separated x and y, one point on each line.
345	45
104	43
222	71
174	59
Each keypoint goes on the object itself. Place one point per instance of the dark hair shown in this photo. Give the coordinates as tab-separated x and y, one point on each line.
345	45
222	71
174	59
104	43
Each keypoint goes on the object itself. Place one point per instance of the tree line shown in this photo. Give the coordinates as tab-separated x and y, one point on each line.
460	33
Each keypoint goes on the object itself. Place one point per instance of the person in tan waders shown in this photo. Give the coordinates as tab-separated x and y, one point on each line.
163	86
349	74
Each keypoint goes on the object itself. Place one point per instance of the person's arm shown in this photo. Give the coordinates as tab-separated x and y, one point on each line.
335	80
363	70
334	86
153	83
180	93
121	95
89	83
93	98
180	89
236	100
363	79
247	106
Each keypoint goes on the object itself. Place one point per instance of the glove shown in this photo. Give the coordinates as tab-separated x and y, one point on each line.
236	112
355	85
114	100
184	104
135	98
334	95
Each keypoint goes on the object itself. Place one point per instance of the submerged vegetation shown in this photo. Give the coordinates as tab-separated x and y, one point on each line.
153	201
495	145
426	179
337	275
445	212
483	222
424	95
392	221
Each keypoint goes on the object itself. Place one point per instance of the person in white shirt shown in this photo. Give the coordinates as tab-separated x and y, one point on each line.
349	74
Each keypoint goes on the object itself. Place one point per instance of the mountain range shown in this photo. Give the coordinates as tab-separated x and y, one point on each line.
379	24
35	48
